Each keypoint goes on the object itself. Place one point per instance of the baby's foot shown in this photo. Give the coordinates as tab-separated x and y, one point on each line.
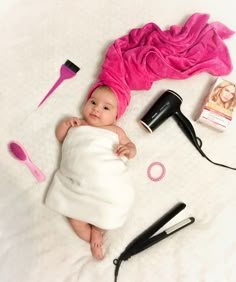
96	243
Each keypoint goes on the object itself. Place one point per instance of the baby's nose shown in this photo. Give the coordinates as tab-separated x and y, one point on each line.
96	108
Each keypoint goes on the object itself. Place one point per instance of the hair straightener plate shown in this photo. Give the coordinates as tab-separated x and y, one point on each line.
147	238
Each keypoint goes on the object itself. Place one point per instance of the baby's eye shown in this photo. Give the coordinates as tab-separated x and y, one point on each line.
106	108
93	102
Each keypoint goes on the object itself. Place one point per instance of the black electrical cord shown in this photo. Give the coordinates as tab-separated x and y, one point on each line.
199	148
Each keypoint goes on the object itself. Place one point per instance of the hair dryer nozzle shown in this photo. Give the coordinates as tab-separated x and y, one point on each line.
165	106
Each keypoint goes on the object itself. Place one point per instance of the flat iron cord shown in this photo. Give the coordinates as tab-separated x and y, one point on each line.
117	263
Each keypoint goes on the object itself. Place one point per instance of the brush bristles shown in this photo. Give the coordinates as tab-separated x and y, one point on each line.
72	66
17	151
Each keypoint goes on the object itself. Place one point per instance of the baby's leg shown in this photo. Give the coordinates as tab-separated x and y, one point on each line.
96	242
81	228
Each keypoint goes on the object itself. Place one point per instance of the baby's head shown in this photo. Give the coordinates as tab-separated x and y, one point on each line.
101	107
119	88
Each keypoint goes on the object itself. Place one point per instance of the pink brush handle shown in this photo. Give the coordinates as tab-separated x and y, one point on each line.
35	170
58	82
65	73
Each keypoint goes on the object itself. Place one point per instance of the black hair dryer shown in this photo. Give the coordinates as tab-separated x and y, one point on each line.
167	105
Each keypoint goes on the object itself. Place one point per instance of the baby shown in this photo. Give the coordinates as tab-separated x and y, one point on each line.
92	188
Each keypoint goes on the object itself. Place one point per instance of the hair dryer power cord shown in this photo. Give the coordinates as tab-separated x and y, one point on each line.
199	148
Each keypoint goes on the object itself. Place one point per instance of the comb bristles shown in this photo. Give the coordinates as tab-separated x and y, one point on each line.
72	66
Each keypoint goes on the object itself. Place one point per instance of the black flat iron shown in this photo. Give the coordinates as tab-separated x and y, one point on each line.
147	238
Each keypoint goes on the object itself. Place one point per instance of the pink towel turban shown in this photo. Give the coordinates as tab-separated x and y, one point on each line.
148	54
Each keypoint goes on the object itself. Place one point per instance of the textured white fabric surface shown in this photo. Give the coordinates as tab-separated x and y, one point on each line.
39	245
92	183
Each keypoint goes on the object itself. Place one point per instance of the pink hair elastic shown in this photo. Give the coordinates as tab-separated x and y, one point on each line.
150	169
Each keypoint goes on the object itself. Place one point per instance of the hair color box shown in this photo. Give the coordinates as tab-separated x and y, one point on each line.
218	106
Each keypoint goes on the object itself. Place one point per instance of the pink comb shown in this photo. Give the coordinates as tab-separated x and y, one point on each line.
68	70
21	155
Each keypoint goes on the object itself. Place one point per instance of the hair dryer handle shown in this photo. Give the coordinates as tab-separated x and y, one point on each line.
187	128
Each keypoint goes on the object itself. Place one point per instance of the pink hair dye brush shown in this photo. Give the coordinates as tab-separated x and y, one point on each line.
21	155
68	70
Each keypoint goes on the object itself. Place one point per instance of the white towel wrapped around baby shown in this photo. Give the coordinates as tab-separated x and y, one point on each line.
92	183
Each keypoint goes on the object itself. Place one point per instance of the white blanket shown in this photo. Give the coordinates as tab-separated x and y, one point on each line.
38	244
92	183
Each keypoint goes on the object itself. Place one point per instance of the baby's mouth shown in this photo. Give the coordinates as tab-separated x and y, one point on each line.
94	116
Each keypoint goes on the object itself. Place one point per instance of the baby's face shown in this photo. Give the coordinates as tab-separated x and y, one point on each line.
101	108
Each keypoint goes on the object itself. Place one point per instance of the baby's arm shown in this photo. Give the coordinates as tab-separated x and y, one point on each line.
126	147
65	125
